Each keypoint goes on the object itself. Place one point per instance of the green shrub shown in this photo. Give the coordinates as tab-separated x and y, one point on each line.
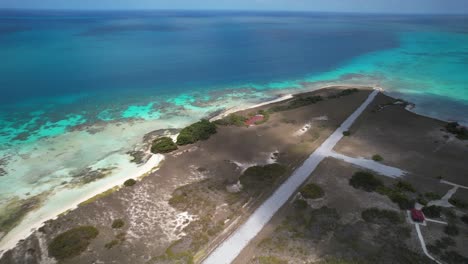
163	145
257	176
377	157
201	130
458	203
432	196
129	182
451	230
464	219
300	204
402	200
378	216
118	223
432	211
405	186
312	191
231	120
365	181
72	242
346	133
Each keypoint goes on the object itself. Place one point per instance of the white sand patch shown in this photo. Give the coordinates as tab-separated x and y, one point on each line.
234	188
308	126
243	166
320	118
303	129
66	199
272	157
240	108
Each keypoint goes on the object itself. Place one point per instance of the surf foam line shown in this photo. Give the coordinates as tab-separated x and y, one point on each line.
70	199
230	248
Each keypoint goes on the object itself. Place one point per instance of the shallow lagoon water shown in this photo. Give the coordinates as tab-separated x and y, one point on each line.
80	89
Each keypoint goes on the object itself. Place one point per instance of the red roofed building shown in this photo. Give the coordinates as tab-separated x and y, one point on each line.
254	119
417	215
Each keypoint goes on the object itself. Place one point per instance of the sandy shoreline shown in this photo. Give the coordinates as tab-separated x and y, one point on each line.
74	197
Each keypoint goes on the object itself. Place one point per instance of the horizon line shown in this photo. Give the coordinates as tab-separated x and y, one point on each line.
227	10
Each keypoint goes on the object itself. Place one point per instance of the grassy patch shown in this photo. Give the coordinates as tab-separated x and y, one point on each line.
365	181
312	191
130	182
118	223
378	216
163	145
377	157
201	130
72	242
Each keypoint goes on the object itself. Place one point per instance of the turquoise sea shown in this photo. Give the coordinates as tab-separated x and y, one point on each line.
80	89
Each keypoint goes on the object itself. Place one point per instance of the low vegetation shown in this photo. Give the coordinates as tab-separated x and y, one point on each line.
379	216
258	176
163	145
464	219
200	130
312	191
111	244
269	260
118	223
377	157
346	133
232	120
344	92
404	186
129	182
458	203
432	211
451	230
296	103
72	242
459	131
432	196
365	181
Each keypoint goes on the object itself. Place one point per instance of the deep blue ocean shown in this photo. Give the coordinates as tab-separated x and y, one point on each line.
69	68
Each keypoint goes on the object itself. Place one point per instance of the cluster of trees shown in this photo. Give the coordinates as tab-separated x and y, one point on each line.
200	130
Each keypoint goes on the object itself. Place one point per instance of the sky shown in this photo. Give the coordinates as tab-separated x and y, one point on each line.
365	6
